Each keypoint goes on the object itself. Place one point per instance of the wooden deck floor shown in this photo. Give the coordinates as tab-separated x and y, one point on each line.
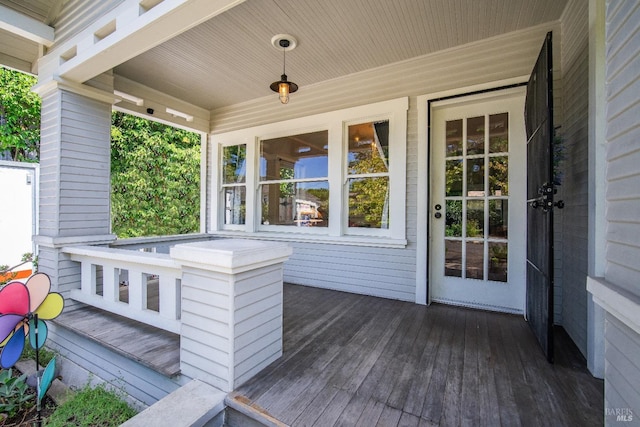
355	360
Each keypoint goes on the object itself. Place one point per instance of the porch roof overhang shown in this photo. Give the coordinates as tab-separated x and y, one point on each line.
213	54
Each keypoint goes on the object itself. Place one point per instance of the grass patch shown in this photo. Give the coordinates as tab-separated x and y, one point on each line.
92	407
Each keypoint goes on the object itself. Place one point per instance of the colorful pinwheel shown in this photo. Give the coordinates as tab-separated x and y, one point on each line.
23	309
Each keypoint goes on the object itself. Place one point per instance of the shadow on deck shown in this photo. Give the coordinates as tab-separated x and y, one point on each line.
357	360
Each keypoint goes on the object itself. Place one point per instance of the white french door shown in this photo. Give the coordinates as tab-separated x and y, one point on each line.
478	201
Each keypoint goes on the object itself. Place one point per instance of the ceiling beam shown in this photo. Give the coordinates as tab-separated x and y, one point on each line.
126	32
25	26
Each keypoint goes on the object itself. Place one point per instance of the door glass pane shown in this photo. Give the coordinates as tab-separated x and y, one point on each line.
498	215
475	135
475	218
475	177
475	260
453	258
453	227
498	261
499	176
499	133
453	178
454	138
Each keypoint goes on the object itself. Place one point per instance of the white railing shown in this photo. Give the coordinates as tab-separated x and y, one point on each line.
143	286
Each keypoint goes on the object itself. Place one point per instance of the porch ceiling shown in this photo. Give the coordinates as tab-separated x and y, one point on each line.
229	59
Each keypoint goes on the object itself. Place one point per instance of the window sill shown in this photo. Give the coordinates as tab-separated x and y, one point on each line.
370	241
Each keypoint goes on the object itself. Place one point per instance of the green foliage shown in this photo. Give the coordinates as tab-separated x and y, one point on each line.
19	116
15	394
44	355
155	178
368	196
91	407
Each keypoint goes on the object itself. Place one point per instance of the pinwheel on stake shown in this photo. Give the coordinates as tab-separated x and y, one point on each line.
23	309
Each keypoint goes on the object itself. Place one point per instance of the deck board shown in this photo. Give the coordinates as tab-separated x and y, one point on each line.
357	360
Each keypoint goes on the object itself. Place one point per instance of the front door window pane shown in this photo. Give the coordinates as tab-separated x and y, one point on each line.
499	133
475	135
453	258
476	197
454	138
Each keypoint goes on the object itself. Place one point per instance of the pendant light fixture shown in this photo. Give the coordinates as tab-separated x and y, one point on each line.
283	86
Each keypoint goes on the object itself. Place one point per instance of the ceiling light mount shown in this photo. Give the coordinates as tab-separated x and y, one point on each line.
284	87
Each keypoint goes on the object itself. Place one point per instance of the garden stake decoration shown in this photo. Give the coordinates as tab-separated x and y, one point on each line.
23	309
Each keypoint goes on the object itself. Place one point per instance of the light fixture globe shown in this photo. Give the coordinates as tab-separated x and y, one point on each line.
283	86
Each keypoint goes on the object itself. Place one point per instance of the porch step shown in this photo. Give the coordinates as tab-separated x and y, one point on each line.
154	348
242	413
195	404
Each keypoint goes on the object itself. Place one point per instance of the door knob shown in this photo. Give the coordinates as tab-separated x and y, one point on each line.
438	215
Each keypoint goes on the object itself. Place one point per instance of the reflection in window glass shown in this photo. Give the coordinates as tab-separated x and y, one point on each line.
453	258
475	177
454	138
453	213
368	170
475	260
298	204
475	218
498	218
369	202
235	205
499	176
498	261
453	178
234	164
368	148
499	133
475	135
306	155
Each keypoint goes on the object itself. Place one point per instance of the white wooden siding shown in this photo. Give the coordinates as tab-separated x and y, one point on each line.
622	344
623	148
622	385
387	272
572	242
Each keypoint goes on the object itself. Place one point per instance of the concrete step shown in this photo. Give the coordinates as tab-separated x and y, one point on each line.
196	404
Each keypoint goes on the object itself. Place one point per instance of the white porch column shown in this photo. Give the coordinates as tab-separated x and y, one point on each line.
231	308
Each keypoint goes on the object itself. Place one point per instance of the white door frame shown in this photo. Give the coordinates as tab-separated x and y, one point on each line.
423	181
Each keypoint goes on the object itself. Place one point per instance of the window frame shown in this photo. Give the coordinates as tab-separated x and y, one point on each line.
336	123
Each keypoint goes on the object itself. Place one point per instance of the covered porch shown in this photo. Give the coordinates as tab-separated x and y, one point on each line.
359	360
